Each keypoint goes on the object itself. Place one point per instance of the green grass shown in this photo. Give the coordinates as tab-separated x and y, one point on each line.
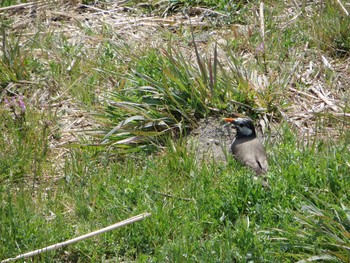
216	212
145	100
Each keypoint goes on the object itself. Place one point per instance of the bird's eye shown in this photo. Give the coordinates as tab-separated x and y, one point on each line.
241	125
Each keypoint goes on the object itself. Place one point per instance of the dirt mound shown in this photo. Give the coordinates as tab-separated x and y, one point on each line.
211	139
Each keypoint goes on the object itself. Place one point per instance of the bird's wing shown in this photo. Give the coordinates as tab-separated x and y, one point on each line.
263	165
258	165
260	157
252	154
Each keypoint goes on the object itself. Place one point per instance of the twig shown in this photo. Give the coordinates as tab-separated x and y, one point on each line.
123	2
301	92
326	63
343	7
209	11
16	6
74	240
262	24
325	99
341	114
262	29
100	11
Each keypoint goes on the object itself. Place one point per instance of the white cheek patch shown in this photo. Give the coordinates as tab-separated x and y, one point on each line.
245	131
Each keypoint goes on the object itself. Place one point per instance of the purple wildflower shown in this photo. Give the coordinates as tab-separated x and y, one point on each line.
22	104
260	48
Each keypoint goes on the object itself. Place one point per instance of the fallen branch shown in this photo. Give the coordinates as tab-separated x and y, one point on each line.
324	98
343	8
74	240
302	93
262	23
16	6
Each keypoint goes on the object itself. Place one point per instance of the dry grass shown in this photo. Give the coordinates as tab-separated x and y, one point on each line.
314	89
81	24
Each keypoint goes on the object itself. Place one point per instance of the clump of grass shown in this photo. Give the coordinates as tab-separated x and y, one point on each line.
14	62
330	30
323	234
166	94
25	139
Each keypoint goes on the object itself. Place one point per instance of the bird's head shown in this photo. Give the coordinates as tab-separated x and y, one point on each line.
243	125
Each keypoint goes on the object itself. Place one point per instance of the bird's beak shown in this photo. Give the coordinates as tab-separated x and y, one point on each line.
229	119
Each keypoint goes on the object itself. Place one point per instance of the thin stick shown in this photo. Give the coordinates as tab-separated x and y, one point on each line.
16	6
74	240
325	99
262	29
262	23
302	93
343	7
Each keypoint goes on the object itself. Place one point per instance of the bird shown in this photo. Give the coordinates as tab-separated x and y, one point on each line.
246	147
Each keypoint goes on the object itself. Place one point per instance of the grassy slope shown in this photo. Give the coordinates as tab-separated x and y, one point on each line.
228	218
221	223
